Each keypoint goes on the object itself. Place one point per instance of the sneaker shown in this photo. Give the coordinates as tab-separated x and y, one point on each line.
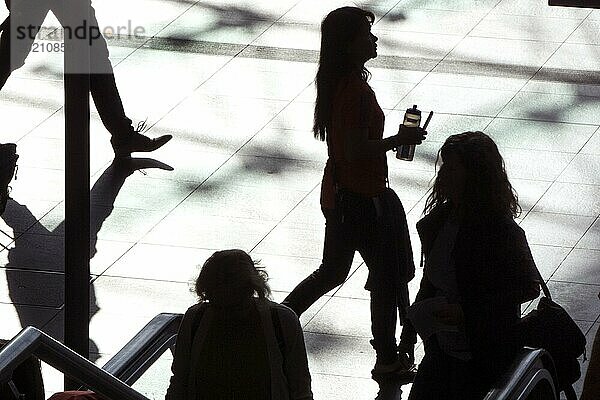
397	373
402	371
8	167
137	142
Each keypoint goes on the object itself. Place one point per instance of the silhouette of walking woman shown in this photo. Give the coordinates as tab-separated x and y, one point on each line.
361	212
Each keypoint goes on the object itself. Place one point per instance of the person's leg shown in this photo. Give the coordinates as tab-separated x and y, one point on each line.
18	33
383	325
8	164
387	252
103	87
337	260
378	249
5	63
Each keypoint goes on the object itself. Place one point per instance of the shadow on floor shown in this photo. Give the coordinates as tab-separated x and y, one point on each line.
35	269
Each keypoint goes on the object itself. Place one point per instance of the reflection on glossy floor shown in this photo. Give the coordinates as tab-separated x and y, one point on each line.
232	81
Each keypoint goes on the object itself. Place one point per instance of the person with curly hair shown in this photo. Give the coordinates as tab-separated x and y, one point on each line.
235	343
478	270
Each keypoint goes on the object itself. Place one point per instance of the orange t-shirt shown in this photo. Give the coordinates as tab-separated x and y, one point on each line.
354	106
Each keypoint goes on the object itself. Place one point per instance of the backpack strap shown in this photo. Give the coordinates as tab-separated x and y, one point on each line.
200	325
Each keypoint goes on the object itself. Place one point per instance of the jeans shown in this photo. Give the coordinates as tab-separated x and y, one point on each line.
357	225
14	49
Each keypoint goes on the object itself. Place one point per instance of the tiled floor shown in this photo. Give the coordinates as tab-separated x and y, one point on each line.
232	81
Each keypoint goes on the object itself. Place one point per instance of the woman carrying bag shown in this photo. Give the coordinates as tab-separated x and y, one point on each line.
478	270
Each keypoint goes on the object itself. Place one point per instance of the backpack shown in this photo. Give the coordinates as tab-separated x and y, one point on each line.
8	168
276	327
550	327
26	382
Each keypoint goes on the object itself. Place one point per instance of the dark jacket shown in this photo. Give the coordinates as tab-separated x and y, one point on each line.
495	274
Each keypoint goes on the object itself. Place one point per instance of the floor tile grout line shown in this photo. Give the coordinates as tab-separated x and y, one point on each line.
387	12
586	231
538	151
575	283
278	224
166	214
150	38
444	57
53	113
536	16
551	185
564	213
219	167
579	26
597	131
506	105
534	74
425	76
534	120
275	22
284	217
203	182
245	46
38	221
232	58
572	250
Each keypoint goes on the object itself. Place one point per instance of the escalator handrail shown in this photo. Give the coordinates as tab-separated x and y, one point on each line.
144	348
528	362
31	341
161	332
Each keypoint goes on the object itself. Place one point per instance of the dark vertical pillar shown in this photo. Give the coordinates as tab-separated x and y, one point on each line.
77	186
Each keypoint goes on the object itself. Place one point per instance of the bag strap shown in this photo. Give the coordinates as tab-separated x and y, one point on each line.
542	282
200	325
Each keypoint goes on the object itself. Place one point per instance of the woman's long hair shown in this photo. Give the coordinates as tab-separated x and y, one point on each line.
487	190
231	276
338	29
